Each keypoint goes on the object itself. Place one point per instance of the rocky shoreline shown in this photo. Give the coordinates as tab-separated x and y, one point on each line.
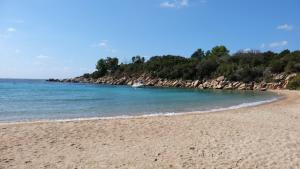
279	81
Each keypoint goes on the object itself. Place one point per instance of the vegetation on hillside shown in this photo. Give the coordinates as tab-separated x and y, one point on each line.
241	66
294	84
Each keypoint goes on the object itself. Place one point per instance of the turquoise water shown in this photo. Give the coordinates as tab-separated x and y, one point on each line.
37	99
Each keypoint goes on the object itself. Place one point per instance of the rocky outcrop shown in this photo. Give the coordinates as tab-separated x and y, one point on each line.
279	81
53	80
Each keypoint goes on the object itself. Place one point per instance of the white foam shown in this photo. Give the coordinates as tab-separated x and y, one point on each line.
251	104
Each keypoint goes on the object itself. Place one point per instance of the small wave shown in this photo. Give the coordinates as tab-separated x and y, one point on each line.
243	105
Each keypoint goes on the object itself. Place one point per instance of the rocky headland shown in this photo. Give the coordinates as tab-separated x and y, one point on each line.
277	81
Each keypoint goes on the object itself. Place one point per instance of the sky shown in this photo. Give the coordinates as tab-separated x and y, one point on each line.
64	38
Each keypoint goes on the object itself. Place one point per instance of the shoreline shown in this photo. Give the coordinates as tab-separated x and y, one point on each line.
263	136
217	110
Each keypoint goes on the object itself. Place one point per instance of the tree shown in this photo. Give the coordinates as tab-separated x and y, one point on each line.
101	68
198	54
108	65
284	52
111	64
219	51
277	66
242	66
294	83
137	59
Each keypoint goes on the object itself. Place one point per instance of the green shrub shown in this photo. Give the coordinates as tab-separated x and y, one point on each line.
294	84
277	66
86	75
241	66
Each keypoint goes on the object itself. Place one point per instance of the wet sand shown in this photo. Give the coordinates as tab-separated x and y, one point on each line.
265	136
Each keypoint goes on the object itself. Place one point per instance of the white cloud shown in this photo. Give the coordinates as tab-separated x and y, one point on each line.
285	27
175	4
184	2
103	44
277	44
40	60
167	5
246	50
41	56
11	29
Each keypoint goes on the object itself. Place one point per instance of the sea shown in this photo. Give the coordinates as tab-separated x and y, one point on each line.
34	100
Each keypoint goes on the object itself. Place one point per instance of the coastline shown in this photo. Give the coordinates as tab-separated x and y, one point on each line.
279	81
239	106
262	136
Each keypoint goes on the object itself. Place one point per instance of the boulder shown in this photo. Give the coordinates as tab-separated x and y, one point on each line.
200	86
130	83
53	80
228	86
221	78
290	76
279	77
242	86
196	83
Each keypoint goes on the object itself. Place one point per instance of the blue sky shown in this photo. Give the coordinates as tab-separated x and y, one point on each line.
60	38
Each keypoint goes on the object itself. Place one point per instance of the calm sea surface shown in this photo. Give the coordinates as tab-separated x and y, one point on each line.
37	99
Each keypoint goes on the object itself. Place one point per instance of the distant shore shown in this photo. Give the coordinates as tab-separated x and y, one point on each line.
264	136
279	81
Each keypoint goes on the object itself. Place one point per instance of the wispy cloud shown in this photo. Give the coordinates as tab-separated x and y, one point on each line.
246	50
285	27
104	44
277	44
11	29
40	60
101	44
41	56
175	4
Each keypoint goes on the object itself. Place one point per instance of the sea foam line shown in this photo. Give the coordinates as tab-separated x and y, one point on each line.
242	105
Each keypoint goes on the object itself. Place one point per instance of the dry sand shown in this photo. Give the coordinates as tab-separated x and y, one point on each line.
265	136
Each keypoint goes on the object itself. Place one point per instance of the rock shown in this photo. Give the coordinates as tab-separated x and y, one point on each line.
221	78
206	84
222	84
242	86
195	83
236	84
291	76
249	86
228	86
200	86
279	77
53	80
130	83
262	89
279	81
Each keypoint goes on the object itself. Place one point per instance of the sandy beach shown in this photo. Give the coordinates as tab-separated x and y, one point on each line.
265	136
